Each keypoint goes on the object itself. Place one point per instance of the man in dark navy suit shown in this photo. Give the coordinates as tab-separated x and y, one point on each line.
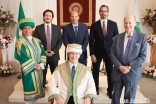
100	41
76	32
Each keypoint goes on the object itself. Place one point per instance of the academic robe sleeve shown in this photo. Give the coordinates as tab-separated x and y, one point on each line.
22	55
43	54
90	92
52	86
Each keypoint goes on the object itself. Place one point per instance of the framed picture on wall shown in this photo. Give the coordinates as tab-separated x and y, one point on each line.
85	8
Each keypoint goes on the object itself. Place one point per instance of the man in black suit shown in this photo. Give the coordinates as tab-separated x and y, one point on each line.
76	32
100	41
51	38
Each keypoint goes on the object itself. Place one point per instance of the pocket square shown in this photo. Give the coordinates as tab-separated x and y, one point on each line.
137	44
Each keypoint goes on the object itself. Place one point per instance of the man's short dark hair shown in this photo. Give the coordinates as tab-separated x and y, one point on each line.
48	11
104	6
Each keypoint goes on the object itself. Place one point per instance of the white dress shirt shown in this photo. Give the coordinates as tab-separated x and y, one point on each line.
74	26
105	23
71	65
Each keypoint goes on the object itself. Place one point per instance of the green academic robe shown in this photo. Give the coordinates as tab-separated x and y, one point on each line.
28	55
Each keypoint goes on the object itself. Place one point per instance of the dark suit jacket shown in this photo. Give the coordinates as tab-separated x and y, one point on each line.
136	55
56	39
97	42
82	37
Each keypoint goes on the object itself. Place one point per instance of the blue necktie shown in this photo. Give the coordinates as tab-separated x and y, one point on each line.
73	72
127	49
75	31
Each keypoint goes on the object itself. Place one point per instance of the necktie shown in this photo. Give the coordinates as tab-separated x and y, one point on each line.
104	29
48	38
73	72
75	31
127	49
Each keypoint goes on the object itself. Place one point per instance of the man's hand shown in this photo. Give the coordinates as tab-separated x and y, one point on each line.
59	100
49	53
128	67
124	69
87	101
38	67
93	58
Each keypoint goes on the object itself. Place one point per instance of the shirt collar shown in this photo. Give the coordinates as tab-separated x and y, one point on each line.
45	24
75	25
29	37
71	65
104	20
128	34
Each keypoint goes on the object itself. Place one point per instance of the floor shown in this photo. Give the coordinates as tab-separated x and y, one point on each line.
6	88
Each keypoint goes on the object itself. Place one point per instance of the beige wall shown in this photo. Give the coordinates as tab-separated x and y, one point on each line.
35	8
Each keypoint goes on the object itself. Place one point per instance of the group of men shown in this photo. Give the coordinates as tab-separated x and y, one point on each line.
127	54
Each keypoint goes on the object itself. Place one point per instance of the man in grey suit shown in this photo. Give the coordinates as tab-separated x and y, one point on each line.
128	52
51	38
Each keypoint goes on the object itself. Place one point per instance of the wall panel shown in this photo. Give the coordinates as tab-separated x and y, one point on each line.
35	8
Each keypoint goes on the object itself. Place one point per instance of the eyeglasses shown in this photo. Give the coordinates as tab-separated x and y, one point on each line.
104	11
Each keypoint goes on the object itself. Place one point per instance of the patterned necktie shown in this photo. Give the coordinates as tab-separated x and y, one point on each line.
127	49
75	31
104	29
73	72
48	38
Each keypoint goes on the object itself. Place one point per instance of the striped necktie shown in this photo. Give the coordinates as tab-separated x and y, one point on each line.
127	49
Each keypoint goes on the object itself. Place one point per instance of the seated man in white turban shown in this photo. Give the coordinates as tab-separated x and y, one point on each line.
72	82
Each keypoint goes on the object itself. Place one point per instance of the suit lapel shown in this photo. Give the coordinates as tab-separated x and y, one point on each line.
100	29
79	32
121	45
133	42
52	34
43	32
108	28
72	31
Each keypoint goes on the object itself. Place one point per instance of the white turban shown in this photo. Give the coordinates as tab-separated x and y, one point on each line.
74	48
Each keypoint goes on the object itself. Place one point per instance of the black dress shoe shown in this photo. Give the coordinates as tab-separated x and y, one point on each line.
19	77
109	95
97	92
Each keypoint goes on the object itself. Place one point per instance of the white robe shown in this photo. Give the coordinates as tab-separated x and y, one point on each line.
60	84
